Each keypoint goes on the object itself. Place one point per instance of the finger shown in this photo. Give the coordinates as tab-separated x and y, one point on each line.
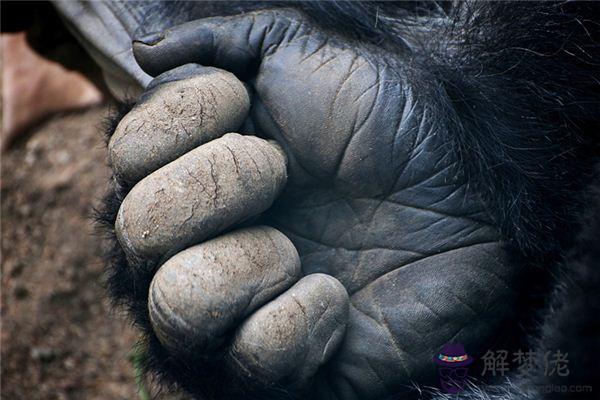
286	341
199	294
180	110
200	194
236	43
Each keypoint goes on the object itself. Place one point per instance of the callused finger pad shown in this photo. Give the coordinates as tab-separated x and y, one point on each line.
285	341
200	194
202	292
186	108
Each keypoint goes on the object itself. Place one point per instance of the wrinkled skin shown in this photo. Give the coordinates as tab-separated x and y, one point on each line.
374	198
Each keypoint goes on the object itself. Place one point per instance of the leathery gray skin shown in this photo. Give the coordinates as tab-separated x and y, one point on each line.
207	190
239	273
374	204
190	112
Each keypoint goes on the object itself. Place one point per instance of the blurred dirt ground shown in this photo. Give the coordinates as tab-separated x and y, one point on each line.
60	339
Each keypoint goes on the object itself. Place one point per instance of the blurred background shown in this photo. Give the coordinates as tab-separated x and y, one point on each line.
59	337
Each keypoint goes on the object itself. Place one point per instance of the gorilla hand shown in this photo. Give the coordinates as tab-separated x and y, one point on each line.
375	199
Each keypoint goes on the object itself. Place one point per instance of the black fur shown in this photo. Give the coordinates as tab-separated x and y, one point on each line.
518	83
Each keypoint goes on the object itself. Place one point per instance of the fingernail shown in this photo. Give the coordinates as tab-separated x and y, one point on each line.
151	39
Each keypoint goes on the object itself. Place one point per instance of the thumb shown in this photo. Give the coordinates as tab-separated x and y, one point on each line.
236	43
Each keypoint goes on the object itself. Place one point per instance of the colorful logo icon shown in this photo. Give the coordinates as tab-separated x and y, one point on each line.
453	367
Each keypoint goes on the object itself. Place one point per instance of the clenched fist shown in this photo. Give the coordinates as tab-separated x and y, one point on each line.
306	232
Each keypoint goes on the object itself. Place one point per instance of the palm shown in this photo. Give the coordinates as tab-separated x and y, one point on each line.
372	196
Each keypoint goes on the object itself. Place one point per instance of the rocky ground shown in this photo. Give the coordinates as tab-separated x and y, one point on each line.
60	338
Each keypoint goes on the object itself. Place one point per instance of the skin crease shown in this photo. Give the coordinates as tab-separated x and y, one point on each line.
207	190
373	198
216	90
221	296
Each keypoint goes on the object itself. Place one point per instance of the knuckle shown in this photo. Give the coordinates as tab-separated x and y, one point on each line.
197	295
175	116
200	194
